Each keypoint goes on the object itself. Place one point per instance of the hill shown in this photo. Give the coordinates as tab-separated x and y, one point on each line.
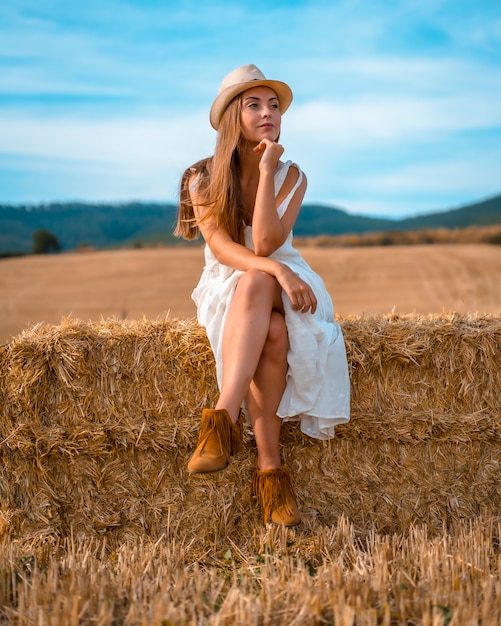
115	225
483	213
76	224
323	220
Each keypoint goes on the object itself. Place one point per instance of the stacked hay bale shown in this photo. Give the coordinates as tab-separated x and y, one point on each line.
98	421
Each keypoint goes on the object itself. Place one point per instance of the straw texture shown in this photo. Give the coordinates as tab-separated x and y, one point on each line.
98	421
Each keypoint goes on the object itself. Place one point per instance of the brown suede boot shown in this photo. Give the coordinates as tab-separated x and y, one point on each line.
218	439
273	488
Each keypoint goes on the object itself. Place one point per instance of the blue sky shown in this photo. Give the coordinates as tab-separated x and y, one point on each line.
397	104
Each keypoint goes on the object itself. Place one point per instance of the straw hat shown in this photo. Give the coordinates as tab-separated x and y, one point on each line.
238	81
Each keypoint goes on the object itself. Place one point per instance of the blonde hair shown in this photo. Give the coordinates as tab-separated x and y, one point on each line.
217	184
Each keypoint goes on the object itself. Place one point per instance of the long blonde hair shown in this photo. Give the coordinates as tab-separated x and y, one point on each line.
217	183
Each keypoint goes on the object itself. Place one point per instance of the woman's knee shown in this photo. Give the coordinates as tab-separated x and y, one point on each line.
255	282
277	340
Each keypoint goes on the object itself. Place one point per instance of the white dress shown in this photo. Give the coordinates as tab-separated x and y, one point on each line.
317	383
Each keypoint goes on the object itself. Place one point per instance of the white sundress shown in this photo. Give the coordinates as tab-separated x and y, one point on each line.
317	388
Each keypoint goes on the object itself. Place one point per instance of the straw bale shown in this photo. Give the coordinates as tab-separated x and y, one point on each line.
448	364
98	420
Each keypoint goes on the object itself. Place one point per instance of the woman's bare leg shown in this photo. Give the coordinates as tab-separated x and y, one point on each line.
245	335
265	393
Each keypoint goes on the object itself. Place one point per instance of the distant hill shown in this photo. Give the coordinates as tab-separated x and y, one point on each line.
114	225
323	220
77	224
317	219
483	213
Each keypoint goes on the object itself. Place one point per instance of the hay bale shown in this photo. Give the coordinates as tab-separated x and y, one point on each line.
438	364
98	420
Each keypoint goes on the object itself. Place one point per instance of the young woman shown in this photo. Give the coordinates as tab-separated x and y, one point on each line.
279	353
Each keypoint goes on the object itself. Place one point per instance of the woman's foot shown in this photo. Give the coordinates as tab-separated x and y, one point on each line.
219	439
273	488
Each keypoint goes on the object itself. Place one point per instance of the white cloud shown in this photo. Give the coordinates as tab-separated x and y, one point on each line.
108	159
392	119
118	141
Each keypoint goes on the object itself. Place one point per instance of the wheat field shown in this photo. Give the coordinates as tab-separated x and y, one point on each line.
100	524
465	278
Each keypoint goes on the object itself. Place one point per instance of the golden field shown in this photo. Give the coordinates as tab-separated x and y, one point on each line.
465	278
100	523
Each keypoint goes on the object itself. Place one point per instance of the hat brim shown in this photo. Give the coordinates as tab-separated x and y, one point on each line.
283	91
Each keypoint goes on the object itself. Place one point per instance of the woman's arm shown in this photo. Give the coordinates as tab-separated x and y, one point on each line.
269	231
237	256
227	251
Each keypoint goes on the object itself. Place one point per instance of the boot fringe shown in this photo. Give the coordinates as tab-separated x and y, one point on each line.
228	434
270	486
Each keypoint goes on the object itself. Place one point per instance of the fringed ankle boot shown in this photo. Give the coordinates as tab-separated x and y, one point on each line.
273	488
218	439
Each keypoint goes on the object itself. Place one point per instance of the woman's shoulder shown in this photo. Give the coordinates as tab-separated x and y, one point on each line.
288	173
288	178
194	174
283	167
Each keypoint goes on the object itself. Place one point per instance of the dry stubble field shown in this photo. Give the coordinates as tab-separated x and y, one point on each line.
464	278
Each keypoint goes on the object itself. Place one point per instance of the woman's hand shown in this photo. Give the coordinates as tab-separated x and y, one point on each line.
271	151
298	291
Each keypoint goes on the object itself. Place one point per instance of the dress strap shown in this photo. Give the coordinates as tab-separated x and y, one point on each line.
280	177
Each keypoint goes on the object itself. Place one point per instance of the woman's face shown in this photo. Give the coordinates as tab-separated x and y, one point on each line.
260	115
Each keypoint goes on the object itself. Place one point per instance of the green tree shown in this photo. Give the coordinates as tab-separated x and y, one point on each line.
44	242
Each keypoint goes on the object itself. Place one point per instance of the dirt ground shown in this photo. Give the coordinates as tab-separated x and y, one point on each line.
158	282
